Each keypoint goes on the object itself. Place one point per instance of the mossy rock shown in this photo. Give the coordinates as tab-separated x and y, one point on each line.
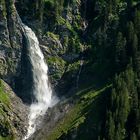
3	8
12	114
52	35
57	66
3	66
5	109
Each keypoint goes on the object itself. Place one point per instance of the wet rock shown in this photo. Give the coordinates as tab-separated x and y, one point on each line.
51	118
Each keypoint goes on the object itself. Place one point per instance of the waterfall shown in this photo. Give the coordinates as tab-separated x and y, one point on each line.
41	87
80	70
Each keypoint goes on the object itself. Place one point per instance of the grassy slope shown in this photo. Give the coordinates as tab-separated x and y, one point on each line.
86	114
4	119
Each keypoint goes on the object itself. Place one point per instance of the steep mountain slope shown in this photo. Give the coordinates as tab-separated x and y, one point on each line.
110	54
13	114
92	49
10	41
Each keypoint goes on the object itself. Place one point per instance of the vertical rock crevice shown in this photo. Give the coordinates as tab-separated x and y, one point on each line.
10	23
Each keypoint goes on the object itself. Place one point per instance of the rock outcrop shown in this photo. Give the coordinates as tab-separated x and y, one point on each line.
13	114
10	42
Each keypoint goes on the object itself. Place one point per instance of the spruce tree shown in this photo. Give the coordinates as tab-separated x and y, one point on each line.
120	57
133	136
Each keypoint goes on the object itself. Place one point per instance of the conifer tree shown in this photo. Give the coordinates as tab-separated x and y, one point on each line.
129	3
120	57
137	21
130	31
110	127
133	136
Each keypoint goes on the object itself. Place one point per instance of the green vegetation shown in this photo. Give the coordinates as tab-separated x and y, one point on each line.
105	35
5	125
53	36
5	138
59	64
113	37
79	114
2	2
4	98
114	53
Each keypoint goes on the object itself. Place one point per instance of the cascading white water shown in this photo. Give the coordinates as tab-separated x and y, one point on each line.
41	90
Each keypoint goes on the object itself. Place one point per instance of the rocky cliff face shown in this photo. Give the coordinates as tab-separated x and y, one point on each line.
15	67
84	43
59	38
13	114
59	35
10	41
60	30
